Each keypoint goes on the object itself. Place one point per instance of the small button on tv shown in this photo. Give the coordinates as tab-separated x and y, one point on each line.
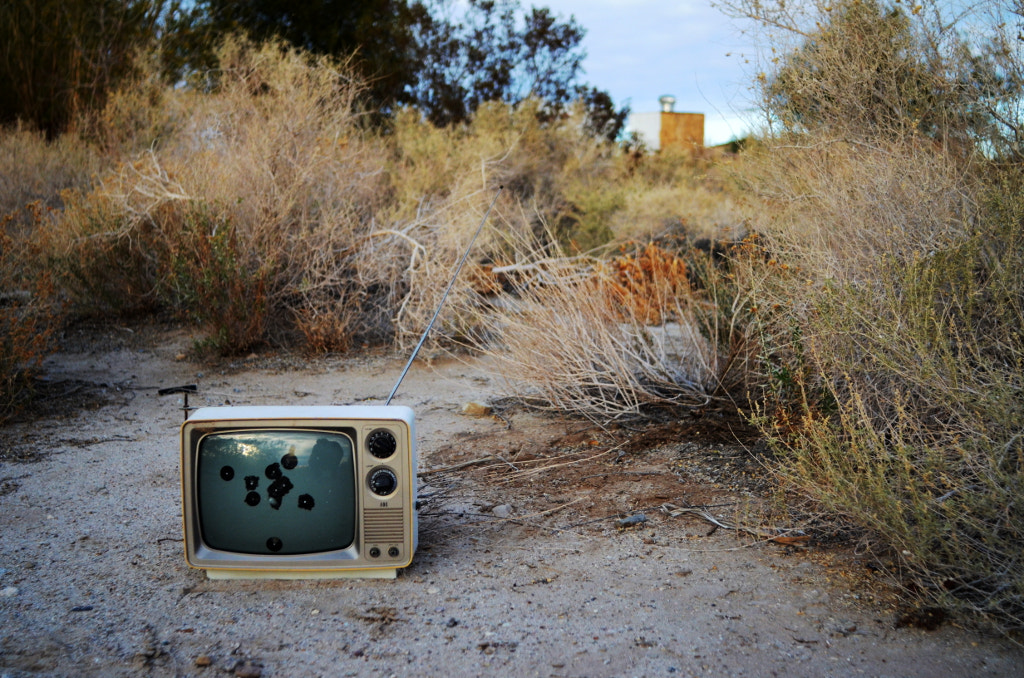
393	551
375	552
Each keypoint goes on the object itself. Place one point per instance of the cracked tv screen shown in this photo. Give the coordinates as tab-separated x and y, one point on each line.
276	492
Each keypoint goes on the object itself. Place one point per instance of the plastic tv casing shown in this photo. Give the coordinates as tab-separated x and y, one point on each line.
256	480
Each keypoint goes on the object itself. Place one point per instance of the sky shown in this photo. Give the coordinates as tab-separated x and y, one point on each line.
638	50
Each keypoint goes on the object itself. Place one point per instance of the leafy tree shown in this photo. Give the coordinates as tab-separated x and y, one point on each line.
416	52
493	54
603	119
856	67
59	58
858	70
377	31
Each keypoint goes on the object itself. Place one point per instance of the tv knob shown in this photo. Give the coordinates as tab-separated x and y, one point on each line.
381	444
383	481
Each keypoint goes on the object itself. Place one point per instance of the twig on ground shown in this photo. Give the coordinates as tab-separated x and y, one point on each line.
674	511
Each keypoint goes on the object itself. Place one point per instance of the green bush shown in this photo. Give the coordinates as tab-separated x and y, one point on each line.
208	279
891	314
914	430
896	383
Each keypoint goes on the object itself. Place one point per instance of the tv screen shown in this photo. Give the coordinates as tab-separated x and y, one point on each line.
299	491
279	492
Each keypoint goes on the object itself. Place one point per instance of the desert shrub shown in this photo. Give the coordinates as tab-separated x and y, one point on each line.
34	175
226	220
266	212
907	409
141	114
571	190
566	192
30	312
263	207
106	262
641	197
210	281
888	87
621	337
889	322
542	165
865	69
34	169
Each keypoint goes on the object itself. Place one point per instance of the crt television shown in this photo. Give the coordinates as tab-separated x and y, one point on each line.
299	492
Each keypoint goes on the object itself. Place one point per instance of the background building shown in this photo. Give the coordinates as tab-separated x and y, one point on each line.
668	129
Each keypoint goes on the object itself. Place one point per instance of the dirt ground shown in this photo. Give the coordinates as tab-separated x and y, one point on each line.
548	547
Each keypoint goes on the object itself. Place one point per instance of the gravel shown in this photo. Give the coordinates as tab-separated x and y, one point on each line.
547	574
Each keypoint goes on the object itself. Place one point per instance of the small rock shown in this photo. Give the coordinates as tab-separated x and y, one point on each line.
475	409
844	628
248	670
927	618
9	592
203	660
503	511
635	519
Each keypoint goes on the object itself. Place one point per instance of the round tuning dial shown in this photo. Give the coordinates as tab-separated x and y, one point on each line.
382	481
381	444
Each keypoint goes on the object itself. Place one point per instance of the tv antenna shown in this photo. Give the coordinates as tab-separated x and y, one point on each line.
444	296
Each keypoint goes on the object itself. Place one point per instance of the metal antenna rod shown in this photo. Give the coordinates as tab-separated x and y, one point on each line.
444	296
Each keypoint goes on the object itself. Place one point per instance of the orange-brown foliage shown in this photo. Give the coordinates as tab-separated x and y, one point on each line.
29	316
645	283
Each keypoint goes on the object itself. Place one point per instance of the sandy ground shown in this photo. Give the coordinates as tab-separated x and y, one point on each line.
523	567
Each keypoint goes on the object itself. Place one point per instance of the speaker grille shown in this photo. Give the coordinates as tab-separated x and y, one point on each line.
383	525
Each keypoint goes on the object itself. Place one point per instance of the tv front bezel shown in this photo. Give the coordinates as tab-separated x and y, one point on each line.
353	561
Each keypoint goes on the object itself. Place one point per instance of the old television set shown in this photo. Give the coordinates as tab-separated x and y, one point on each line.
299	491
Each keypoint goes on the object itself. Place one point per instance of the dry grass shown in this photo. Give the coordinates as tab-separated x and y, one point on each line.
892	347
30	312
266	211
890	324
608	339
33	170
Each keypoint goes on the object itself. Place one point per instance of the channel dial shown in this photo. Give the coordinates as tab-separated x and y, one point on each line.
381	444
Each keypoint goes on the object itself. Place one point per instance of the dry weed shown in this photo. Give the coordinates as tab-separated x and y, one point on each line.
30	313
893	355
613	339
33	169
